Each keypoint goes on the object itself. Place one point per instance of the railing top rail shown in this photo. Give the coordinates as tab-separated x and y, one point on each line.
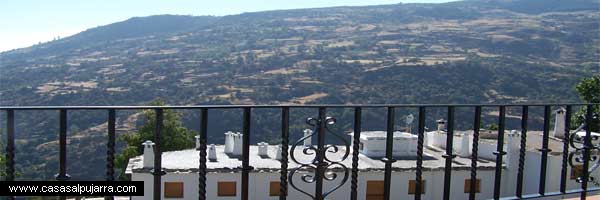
283	105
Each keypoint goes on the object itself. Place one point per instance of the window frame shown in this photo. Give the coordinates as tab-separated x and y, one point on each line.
180	193
222	193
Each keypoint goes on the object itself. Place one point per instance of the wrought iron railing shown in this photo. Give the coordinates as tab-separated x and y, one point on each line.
585	150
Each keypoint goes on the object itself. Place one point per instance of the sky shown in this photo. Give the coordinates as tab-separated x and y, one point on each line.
27	22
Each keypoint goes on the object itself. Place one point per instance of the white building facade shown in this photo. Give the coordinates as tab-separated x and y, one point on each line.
223	179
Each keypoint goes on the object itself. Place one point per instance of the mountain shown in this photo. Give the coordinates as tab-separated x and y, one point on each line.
474	51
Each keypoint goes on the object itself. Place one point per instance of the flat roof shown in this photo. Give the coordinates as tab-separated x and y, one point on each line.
187	161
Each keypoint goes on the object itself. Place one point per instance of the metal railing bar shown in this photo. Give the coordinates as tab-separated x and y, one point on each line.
389	159
202	154
285	142
522	148
62	140
157	171
420	140
283	105
474	153
587	146
544	150
246	152
449	153
10	145
110	149
355	149
565	156
499	152
320	168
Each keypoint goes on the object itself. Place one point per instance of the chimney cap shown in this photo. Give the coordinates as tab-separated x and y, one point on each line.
148	143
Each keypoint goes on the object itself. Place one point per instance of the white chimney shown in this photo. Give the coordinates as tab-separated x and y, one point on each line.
212	152
197	142
307	141
278	154
441	125
559	123
228	142
464	145
513	148
263	149
237	144
148	154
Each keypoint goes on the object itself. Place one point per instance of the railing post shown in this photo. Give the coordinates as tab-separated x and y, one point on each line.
474	153
157	171
246	152
202	154
355	146
319	172
499	152
587	146
10	147
285	142
389	157
420	140
522	150
110	149
449	154
544	150
62	139
565	153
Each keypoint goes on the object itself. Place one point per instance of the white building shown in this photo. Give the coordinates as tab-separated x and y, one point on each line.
223	177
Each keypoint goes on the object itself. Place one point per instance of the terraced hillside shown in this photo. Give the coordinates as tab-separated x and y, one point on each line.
475	51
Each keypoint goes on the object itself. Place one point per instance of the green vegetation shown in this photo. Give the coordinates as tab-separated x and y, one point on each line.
589	91
174	135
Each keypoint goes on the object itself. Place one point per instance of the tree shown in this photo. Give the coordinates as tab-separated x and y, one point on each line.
589	91
174	135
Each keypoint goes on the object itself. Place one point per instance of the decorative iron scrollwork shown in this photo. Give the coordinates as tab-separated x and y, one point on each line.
321	166
577	158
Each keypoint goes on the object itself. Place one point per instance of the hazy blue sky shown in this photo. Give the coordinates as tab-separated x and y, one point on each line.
26	22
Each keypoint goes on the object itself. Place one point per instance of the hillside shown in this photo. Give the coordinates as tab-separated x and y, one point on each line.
475	51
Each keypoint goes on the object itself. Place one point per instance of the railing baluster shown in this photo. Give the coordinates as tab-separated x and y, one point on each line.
202	154
522	149
499	152
475	149
10	145
420	140
110	149
157	171
319	172
285	142
449	154
62	140
587	146
246	153
389	159
544	150
355	146
565	153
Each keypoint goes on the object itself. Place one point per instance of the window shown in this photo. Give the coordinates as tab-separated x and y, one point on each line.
412	187
576	171
468	185
173	189
375	190
274	188
226	189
